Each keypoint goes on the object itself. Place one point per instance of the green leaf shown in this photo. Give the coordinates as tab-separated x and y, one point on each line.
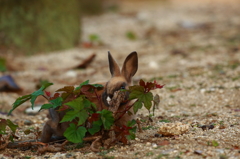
69	116
53	103
215	143
82	84
132	132
107	118
3	125
94	37
76	104
46	106
137	105
131	123
147	100
131	35
34	95
165	121
6	122
45	85
74	134
19	101
96	127
97	85
39	92
83	115
12	126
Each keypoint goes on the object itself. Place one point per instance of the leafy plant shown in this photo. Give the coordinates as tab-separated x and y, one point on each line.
4	136
84	116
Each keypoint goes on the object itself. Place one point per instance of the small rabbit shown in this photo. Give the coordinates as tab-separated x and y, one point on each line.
121	79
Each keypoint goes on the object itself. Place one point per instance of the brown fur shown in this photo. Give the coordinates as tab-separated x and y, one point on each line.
120	79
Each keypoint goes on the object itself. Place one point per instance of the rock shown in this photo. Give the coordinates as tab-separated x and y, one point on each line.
172	129
28	122
33	111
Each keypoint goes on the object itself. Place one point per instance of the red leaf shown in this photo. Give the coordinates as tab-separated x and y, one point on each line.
48	93
150	85
63	108
124	140
94	117
55	96
158	85
87	90
142	83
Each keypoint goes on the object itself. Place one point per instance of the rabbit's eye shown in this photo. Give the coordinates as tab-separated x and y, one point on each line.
122	87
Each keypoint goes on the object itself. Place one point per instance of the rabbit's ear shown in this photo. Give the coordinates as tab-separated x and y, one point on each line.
130	66
113	66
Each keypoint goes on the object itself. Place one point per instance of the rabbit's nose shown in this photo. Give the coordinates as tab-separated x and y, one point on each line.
108	99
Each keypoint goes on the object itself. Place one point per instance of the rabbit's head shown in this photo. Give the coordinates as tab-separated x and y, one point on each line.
121	79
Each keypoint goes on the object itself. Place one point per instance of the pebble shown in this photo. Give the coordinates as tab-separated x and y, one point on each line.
220	150
154	145
198	152
71	73
33	111
28	122
137	139
148	144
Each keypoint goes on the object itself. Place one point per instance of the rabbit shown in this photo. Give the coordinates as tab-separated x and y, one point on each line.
121	79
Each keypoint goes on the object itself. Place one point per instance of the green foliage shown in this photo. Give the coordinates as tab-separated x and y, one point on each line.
215	143
133	129
3	67
165	121
143	95
75	134
107	118
131	35
39	26
4	123
53	103
32	97
83	114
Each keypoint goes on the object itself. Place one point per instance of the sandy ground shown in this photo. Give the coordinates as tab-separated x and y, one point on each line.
191	47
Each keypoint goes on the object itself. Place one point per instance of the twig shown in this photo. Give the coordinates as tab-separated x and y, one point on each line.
86	62
92	147
139	125
25	144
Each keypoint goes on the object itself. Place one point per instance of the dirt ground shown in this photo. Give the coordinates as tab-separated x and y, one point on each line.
191	47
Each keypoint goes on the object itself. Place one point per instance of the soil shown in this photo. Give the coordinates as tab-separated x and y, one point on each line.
191	47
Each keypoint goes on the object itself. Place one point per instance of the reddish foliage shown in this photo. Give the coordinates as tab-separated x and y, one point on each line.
150	85
94	117
48	94
63	108
55	96
122	132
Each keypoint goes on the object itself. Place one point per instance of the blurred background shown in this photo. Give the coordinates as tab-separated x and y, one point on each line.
66	42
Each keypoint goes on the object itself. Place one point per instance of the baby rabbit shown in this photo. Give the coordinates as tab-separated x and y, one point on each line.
121	79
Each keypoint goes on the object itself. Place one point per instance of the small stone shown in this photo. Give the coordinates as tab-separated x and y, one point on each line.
154	145
204	127
220	151
137	139
148	144
198	152
211	126
71	73
33	111
28	122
